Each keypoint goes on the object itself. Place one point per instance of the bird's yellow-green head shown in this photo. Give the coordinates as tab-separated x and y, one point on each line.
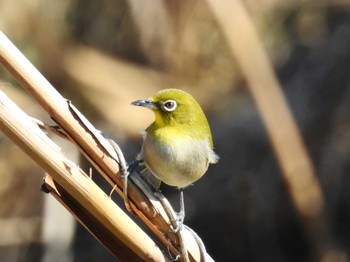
178	110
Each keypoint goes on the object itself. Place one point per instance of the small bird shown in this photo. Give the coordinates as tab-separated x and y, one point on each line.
178	146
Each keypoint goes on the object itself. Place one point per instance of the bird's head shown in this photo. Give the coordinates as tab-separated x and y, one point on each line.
178	109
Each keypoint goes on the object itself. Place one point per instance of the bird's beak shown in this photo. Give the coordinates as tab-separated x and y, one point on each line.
145	102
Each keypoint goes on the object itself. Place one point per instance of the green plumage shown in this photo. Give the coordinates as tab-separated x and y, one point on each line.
178	145
187	119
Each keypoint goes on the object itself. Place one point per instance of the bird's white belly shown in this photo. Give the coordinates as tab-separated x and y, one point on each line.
179	164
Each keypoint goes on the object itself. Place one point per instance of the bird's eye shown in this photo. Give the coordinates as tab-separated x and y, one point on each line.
169	105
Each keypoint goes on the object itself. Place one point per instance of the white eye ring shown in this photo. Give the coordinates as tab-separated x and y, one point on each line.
169	105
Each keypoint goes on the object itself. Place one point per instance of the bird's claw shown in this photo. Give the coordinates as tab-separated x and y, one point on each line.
133	165
180	217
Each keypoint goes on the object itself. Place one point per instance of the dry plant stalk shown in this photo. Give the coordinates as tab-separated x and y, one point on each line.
297	169
89	141
102	217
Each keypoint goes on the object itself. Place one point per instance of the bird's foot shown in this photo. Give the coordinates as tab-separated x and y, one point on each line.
180	217
133	165
176	218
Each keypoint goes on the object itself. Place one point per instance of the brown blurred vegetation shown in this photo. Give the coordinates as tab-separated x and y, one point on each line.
104	54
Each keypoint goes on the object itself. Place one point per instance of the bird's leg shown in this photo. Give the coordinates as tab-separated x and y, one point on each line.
176	218
181	214
133	164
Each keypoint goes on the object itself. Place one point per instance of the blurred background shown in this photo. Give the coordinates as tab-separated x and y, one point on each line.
104	54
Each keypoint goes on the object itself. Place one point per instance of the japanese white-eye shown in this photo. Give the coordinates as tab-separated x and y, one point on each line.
178	145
